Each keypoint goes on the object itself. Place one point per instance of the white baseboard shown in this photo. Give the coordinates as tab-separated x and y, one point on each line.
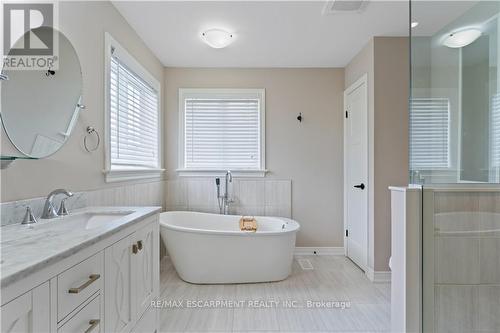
322	251
378	276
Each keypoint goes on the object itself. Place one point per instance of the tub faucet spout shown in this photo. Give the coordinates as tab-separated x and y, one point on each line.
224	199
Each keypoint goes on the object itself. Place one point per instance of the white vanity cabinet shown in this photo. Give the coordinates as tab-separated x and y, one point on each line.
107	287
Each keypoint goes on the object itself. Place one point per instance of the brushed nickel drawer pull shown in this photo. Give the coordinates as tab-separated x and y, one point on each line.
139	245
93	324
92	278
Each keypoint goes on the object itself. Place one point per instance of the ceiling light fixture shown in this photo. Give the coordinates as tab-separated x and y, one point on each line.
217	38
461	38
414	24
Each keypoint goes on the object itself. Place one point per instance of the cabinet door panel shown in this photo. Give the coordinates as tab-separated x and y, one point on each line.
17	314
27	313
144	268
118	286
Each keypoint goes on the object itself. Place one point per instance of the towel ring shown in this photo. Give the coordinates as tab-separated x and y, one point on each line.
90	130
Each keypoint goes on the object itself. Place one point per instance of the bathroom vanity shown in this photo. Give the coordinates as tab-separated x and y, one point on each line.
95	270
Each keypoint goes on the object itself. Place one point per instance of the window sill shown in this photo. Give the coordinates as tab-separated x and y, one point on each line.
214	173
121	175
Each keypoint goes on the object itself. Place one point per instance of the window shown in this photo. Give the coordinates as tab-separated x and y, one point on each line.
221	130
133	130
495	131
429	133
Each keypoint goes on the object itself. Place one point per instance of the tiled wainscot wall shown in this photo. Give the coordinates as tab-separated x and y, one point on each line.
139	194
250	196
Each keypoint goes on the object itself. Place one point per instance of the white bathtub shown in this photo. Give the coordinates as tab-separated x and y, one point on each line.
210	248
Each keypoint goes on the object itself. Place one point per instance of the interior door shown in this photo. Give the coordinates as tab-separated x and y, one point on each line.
356	172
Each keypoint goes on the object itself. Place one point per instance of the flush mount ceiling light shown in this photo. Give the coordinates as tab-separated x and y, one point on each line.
461	38
414	24
217	38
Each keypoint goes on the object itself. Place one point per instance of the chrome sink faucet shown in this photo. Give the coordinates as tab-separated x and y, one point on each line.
49	211
224	200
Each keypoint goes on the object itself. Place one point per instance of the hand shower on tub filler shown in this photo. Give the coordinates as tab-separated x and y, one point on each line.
224	200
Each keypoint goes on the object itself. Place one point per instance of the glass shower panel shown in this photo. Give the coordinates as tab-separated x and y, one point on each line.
455	95
455	156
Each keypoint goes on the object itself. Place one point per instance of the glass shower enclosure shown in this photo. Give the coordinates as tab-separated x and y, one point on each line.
455	157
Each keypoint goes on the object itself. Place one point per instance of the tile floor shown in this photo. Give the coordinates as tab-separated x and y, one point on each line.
334	278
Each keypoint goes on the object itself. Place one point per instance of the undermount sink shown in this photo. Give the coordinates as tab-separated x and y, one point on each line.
93	220
83	221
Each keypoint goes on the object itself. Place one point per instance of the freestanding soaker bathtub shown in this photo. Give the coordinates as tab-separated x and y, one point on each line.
210	248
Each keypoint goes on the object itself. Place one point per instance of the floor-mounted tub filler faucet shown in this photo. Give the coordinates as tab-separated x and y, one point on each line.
49	211
224	200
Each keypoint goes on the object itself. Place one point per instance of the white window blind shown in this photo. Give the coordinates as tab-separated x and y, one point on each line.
133	118
495	130
429	133
222	133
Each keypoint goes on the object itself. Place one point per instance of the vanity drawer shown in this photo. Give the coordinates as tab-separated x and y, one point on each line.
78	283
86	320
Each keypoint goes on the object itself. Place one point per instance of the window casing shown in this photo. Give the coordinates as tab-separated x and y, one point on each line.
429	134
133	130
222	129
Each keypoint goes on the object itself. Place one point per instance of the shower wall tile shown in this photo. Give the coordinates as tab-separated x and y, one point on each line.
456	202
455	309
466	261
467	308
457	260
140	194
490	260
488	308
489	202
453	222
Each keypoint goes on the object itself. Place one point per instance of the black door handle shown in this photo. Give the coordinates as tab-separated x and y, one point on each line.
361	186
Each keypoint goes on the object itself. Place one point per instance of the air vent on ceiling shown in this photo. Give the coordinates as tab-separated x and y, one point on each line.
344	6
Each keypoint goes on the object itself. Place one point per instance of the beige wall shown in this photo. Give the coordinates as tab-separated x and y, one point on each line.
309	153
391	135
386	61
84	23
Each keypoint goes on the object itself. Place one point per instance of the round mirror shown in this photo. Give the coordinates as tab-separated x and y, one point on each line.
40	107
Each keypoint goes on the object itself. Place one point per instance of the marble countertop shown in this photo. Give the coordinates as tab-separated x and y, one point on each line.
25	249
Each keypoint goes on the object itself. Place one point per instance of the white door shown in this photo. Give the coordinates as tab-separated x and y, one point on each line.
356	172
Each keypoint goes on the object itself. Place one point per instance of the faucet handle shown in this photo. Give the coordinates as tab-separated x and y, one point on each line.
62	209
29	218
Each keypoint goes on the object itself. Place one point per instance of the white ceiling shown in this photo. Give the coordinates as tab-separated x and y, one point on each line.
270	34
